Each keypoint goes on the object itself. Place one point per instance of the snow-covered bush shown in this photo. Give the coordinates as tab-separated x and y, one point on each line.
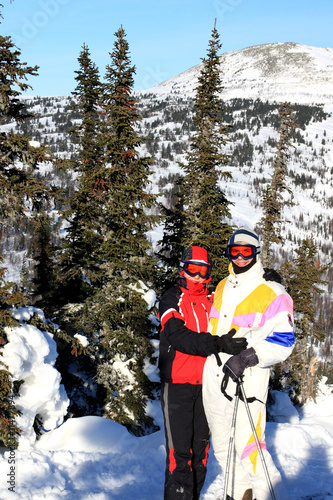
30	355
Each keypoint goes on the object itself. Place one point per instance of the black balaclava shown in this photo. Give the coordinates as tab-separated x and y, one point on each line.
241	270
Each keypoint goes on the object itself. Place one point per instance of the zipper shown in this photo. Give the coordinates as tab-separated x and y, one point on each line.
195	317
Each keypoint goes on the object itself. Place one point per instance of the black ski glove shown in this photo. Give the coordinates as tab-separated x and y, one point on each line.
236	365
228	344
271	275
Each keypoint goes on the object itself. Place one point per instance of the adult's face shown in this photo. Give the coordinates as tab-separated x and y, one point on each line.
240	261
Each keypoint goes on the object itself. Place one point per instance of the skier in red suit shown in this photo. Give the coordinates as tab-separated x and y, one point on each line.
184	345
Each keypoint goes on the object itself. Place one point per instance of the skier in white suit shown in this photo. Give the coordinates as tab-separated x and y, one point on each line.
262	312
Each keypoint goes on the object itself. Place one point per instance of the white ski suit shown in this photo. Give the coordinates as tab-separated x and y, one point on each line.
262	312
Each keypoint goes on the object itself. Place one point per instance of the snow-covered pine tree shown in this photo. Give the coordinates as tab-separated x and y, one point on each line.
205	207
303	277
274	200
19	189
118	310
79	272
79	266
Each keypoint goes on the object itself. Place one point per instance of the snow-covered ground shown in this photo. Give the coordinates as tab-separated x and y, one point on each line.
92	458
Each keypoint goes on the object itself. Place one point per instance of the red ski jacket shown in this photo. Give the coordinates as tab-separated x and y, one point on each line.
184	341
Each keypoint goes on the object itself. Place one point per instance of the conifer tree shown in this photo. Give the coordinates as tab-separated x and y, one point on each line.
19	189
79	272
79	266
117	313
273	198
126	214
303	277
205	207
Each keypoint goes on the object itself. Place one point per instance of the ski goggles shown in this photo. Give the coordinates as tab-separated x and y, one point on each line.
245	251
203	270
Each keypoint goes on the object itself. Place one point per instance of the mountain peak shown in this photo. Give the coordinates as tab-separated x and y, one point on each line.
274	72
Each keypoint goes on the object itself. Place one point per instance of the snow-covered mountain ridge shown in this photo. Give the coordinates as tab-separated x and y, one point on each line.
274	72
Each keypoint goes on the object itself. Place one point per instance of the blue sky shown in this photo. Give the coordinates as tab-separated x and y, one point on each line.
166	37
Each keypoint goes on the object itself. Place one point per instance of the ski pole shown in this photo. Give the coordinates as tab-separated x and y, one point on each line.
231	446
269	482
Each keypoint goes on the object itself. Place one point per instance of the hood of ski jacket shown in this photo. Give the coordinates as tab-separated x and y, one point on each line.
259	310
184	342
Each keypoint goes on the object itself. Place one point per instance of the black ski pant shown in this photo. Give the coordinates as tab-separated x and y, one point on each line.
187	441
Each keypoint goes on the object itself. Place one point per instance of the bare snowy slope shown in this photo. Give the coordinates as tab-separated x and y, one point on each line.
274	72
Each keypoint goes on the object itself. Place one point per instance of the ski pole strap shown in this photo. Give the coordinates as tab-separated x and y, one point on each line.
224	385
250	400
218	359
